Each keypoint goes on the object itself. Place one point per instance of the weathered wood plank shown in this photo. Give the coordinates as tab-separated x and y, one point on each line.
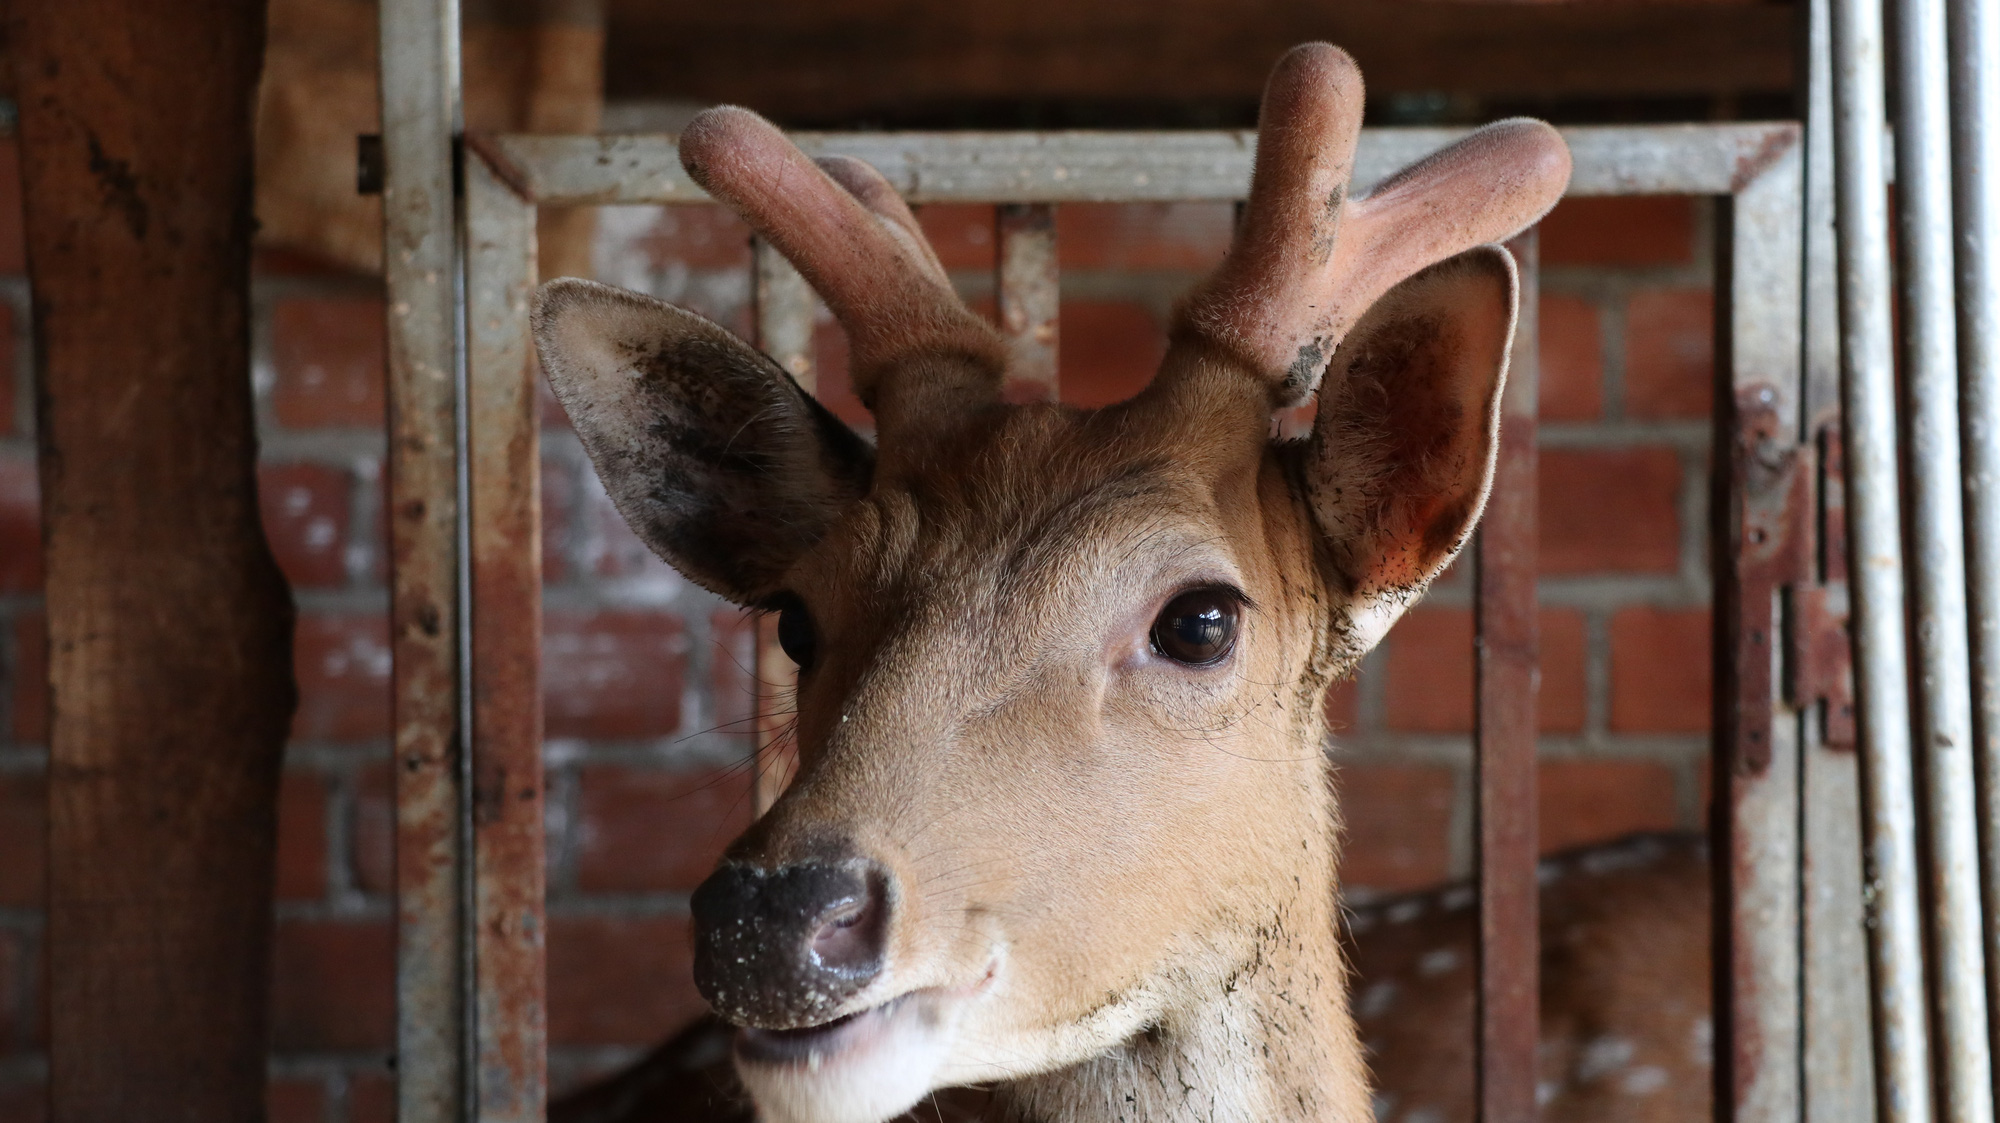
169	622
832	61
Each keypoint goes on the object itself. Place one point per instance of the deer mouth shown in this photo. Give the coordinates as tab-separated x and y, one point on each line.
814	1045
865	1067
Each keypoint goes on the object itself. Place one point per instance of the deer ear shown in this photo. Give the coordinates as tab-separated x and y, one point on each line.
1401	455
715	457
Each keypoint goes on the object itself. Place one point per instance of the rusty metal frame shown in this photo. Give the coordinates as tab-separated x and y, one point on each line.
1506	667
422	120
1767	486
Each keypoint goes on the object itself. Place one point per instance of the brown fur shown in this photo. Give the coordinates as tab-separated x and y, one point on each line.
1107	874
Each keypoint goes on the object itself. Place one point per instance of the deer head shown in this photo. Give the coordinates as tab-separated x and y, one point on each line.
1063	822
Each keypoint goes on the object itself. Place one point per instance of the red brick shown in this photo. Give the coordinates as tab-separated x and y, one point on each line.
20	525
371	1097
613	674
329	357
1430	669
1397	821
1189	236
6	368
1660	670
302	837
299	1099
1669	353
17	1017
1107	350
24	827
558	519
1572	351
1561	703
13	253
373	831
30	674
1627	230
699	237
647	830
1429	665
333	985
342	664
305	517
25	1102
961	233
733	672
1586	801
1610	510
620	981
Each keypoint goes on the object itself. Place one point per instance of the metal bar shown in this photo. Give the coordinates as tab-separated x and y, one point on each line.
1762	503
1030	298
1838	1079
1974	33
784	308
505	510
1062	167
421	124
1507	668
1937	542
1896	953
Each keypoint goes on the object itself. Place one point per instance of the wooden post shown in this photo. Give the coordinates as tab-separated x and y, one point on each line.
169	622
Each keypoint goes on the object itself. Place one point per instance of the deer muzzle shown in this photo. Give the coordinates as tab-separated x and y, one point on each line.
789	947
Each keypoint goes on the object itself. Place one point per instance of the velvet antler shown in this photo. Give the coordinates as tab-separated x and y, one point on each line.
916	349
1309	261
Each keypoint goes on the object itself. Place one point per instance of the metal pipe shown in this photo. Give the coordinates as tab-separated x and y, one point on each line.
421	125
1896	953
1975	116
1937	540
1028	287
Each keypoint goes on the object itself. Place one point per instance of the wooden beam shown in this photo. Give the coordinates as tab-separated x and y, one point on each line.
169	622
823	61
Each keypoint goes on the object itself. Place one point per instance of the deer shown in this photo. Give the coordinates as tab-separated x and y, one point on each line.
1061	825
1626	1030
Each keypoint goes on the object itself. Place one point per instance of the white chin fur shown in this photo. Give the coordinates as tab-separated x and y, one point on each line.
875	1070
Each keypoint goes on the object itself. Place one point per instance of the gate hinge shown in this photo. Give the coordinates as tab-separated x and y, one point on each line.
1818	652
1820	662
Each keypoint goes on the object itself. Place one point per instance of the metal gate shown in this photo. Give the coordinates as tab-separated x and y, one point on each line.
1792	993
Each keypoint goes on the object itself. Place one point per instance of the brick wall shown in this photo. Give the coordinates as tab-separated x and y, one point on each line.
646	688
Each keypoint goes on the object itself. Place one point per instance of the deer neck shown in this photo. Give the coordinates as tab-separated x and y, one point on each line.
1274	1041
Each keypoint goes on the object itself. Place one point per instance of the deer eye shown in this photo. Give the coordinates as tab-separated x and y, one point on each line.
795	632
1198	627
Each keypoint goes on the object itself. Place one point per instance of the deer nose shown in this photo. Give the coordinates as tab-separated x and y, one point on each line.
784	948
